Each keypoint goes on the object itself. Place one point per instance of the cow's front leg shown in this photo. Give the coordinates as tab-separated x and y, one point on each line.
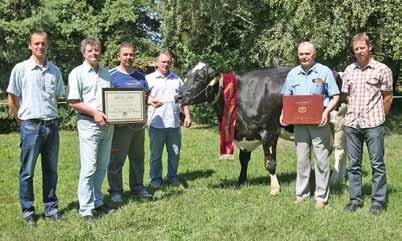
270	165
244	157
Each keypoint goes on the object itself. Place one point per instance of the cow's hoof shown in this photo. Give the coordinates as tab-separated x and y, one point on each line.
275	187
274	192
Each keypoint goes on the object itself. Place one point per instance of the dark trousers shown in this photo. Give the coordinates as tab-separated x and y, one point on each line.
127	140
374	138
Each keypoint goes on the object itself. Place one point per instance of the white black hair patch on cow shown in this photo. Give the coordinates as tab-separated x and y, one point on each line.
200	65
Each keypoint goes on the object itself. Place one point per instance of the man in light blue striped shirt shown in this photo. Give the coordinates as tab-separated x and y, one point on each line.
163	119
33	89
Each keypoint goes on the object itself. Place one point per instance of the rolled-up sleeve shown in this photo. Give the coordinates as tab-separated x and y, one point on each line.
73	86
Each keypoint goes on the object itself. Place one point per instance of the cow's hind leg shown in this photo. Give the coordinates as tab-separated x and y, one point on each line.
244	157
270	163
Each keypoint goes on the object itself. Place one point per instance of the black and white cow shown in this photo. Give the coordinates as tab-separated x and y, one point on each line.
259	107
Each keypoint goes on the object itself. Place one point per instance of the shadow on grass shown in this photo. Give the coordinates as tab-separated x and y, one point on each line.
284	178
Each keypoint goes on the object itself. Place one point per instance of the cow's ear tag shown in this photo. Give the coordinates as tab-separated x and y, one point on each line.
213	82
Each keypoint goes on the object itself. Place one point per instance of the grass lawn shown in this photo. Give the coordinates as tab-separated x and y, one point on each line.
209	207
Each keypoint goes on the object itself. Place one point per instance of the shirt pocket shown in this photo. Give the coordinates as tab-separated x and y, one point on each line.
373	83
317	89
50	85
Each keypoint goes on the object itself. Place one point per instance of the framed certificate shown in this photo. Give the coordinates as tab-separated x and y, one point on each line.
124	105
302	109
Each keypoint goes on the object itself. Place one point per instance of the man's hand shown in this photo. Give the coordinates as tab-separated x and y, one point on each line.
324	119
281	120
154	102
187	121
100	118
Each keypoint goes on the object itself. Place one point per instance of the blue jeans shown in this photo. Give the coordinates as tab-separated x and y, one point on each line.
374	138
158	137
38	139
95	146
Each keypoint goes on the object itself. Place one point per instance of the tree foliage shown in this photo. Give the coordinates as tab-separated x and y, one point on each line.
242	34
68	22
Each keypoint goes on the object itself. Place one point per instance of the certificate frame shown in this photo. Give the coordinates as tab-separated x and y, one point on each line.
124	105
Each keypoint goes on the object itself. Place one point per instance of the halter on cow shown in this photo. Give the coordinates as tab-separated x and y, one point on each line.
258	109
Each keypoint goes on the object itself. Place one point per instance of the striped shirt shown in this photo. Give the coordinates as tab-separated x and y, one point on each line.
364	87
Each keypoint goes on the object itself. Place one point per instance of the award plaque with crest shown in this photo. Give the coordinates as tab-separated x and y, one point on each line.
302	109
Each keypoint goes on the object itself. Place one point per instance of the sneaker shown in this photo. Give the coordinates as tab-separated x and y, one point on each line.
175	182
30	220
104	209
376	209
117	198
143	194
155	185
352	207
299	200
319	204
89	218
56	217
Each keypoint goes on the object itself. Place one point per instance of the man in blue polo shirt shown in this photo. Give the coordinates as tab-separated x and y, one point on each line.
34	86
128	139
311	78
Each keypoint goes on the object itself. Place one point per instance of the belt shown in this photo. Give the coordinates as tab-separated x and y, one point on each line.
43	122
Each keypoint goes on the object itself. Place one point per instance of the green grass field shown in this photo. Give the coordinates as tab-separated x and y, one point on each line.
209	207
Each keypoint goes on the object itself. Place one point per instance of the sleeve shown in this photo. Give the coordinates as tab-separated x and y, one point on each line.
386	83
332	87
73	86
14	86
287	87
60	84
345	86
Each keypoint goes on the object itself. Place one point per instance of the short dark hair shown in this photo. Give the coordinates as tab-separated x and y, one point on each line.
165	52
90	41
126	45
361	37
38	32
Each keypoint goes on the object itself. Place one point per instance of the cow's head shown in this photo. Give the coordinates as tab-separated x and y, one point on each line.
197	84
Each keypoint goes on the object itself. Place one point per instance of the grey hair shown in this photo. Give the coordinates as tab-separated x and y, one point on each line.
90	41
308	45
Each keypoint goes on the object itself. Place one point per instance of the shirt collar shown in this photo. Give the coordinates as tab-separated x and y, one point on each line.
88	67
313	68
159	75
372	63
130	73
32	64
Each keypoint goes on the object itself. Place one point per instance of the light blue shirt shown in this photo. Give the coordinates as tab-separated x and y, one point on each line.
164	89
85	84
318	80
37	89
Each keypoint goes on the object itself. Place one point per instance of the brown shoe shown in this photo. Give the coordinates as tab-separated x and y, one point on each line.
319	204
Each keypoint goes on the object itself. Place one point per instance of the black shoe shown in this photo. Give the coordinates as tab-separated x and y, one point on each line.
104	209
56	217
352	207
376	209
30	220
88	218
